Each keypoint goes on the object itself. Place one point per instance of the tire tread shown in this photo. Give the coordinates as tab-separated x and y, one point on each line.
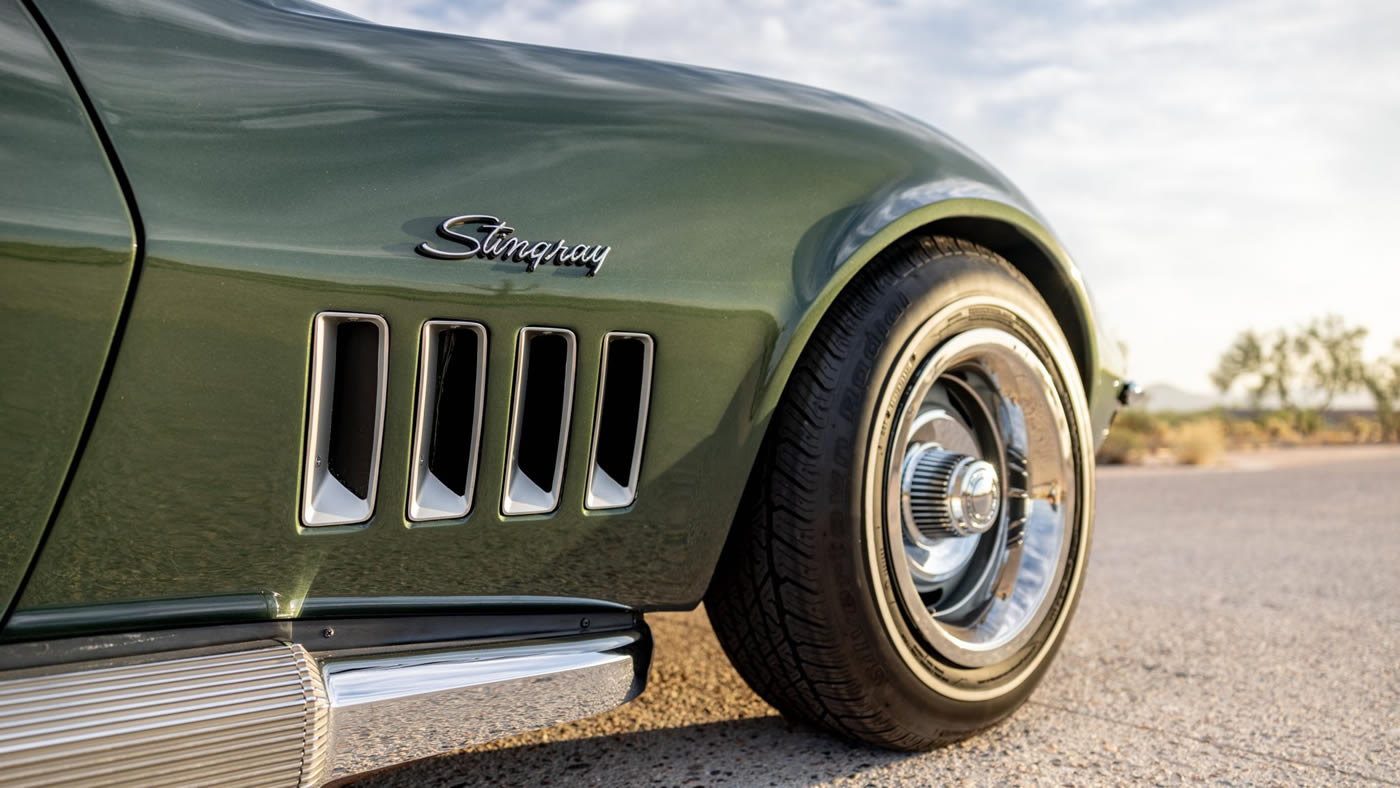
767	614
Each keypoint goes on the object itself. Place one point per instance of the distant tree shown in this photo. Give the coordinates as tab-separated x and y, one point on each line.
1244	357
1331	351
1263	364
1382	379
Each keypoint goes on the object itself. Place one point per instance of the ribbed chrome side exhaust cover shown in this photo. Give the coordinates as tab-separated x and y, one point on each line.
271	714
252	717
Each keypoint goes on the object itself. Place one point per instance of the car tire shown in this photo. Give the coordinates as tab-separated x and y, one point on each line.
839	596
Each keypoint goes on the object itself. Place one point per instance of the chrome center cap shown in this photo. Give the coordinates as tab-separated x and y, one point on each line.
945	493
974	496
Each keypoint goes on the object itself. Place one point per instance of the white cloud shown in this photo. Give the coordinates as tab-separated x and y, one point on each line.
1213	165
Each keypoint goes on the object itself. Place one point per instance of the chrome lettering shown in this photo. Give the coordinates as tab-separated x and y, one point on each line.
500	243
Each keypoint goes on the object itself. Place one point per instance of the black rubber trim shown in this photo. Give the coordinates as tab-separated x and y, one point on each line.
138	235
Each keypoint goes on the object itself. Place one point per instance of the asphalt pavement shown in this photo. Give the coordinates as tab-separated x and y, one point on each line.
1239	626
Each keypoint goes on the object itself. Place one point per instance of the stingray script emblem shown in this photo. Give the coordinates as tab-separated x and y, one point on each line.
496	240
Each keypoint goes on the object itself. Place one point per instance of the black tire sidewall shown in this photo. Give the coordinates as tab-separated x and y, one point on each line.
901	311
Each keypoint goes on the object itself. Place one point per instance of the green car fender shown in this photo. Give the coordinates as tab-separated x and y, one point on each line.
287	162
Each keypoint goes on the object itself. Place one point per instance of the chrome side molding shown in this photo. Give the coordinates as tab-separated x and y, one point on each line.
419	704
620	420
540	412
345	418
451	397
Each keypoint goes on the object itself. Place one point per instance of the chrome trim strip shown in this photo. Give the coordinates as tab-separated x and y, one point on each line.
325	501
399	707
521	495
605	492
428	498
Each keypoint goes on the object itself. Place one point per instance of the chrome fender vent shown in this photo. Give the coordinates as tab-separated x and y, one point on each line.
447	428
540	411
619	425
345	418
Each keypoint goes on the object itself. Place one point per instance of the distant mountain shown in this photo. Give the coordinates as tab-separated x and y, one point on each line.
1165	396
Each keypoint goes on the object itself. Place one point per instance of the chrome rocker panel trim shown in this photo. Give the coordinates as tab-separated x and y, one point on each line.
270	713
395	708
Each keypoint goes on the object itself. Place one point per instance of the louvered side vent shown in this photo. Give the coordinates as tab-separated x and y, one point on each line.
447	430
539	420
619	427
345	420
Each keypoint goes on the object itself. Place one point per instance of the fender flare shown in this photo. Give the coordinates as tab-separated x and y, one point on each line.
992	220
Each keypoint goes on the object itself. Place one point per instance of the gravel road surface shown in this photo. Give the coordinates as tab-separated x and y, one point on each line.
1239	626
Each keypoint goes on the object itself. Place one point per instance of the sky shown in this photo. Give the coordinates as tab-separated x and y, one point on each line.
1211	166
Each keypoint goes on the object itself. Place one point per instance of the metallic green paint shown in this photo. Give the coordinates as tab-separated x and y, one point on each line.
287	162
66	253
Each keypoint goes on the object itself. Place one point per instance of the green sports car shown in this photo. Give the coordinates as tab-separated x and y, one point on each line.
362	389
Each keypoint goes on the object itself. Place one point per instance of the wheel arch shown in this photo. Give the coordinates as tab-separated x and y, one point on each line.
1054	278
996	224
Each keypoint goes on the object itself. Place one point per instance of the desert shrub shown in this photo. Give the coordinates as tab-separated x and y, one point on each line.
1136	433
1137	420
1363	430
1198	442
1332	436
1245	434
1308	421
1280	428
1122	447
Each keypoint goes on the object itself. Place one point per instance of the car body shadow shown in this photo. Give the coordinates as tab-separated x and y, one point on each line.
752	751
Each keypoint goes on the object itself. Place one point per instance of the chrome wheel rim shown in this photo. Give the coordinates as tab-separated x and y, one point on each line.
977	586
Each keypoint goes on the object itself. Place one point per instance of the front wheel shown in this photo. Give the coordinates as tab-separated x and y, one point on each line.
913	539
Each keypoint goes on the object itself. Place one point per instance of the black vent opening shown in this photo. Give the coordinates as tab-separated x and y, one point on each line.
350	451
542	409
619	425
454	408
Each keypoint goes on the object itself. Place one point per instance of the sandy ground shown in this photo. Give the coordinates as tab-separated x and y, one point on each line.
1240	625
